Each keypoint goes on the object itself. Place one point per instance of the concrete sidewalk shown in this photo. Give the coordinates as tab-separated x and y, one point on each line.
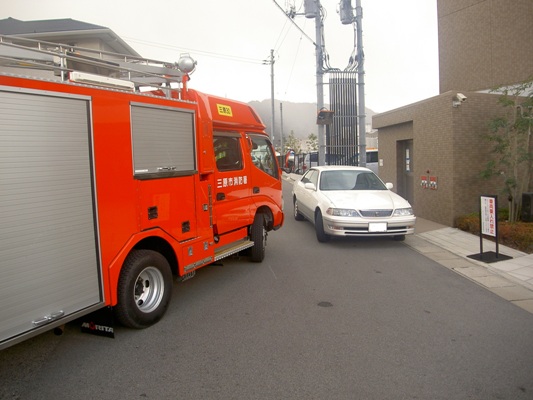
511	279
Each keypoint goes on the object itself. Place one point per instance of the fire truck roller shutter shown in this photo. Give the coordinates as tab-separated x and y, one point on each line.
163	141
48	251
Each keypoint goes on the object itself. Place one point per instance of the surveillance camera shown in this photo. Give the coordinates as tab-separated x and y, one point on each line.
461	97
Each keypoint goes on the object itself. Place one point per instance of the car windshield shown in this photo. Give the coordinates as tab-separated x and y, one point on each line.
350	180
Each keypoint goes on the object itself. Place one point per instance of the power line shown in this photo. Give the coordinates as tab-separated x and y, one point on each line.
293	64
294	23
194	51
280	38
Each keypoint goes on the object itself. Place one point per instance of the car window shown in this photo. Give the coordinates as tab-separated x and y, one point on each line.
336	180
372	156
350	180
263	156
313	177
368	181
310	176
305	177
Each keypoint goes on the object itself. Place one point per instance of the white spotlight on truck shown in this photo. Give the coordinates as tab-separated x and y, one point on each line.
186	63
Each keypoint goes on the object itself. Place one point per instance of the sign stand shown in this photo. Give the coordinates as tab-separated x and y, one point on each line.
489	226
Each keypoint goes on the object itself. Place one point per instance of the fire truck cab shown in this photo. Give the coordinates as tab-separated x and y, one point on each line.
109	193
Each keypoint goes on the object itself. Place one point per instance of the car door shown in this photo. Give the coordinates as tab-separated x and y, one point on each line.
307	197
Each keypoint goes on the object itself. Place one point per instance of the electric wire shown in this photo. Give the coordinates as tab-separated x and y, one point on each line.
353	61
202	52
295	24
292	66
283	32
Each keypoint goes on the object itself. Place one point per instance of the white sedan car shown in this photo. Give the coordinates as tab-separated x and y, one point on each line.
350	201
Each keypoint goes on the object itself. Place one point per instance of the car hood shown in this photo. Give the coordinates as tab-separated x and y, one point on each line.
366	200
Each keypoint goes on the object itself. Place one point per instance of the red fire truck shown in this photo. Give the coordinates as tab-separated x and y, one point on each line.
115	179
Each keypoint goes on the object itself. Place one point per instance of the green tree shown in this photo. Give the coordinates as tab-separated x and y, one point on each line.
312	142
510	135
293	143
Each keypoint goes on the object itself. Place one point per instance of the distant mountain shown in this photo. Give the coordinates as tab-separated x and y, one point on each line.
297	117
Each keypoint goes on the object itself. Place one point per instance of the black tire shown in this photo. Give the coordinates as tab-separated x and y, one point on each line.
297	215
258	234
399	238
321	236
144	289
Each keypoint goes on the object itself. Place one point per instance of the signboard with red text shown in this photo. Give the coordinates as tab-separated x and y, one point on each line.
488	215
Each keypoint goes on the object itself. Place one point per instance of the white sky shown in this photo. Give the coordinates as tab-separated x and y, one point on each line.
230	39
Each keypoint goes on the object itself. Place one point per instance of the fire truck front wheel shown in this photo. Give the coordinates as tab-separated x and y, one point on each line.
258	235
144	289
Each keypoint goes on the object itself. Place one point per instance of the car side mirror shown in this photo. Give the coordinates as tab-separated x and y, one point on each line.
389	185
310	186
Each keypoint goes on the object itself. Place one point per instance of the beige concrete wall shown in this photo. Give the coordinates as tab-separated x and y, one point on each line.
472	151
484	44
430	128
448	143
93	44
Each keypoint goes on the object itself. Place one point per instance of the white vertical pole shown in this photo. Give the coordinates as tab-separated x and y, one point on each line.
320	83
361	84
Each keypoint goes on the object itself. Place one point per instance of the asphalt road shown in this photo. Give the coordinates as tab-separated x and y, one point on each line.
349	319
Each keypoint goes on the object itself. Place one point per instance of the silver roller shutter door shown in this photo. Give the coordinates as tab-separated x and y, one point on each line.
48	251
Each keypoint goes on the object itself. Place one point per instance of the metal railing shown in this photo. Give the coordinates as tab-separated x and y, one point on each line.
61	59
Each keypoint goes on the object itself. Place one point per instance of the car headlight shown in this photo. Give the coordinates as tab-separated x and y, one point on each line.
402	212
342	212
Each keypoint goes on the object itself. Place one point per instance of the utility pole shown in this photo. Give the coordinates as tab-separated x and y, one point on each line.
313	10
319	26
281	133
361	83
347	17
273	129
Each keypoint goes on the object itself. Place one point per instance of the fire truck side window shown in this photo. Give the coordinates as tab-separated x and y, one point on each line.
263	156
228	154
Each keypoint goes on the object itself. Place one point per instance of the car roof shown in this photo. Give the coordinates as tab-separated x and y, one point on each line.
340	167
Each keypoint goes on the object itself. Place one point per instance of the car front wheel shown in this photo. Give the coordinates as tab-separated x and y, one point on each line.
321	236
297	215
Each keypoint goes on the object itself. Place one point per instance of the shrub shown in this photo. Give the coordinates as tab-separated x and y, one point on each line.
468	223
517	235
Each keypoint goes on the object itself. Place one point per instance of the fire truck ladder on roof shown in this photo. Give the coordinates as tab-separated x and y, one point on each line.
92	66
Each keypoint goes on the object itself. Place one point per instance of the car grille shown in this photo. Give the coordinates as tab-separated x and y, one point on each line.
375	213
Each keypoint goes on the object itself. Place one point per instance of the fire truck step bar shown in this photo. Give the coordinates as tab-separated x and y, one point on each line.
186	276
232	249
